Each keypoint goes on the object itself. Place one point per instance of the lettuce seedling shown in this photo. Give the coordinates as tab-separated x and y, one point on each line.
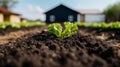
70	29
57	29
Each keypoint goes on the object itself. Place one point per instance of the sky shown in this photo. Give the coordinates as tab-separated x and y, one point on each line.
34	9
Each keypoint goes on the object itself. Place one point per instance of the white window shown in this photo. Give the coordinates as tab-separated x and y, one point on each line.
52	18
70	18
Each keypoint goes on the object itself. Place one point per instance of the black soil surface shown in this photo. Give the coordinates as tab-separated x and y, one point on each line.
46	50
9	34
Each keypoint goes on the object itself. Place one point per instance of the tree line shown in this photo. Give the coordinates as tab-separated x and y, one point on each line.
112	12
8	3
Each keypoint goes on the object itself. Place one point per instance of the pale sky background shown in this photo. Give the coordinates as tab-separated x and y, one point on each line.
34	9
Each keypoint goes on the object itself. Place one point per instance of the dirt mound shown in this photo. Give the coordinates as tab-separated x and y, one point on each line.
10	34
46	50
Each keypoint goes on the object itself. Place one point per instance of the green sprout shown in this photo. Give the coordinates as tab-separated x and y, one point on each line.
57	29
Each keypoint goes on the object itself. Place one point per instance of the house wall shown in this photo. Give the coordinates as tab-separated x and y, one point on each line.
1	17
61	15
82	18
23	21
94	18
6	18
14	18
78	18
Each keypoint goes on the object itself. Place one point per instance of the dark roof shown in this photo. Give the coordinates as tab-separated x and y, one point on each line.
94	11
7	11
60	6
87	11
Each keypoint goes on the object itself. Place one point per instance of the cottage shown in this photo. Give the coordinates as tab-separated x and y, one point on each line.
62	13
23	20
91	16
8	16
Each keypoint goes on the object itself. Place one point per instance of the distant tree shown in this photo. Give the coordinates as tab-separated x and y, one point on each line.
113	12
8	3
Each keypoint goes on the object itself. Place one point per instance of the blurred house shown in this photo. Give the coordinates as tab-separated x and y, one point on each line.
8	16
23	20
62	13
91	16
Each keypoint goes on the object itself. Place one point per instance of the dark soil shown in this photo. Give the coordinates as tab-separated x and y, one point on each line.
10	34
85	49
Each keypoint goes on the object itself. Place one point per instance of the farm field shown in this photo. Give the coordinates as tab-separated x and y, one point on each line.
36	47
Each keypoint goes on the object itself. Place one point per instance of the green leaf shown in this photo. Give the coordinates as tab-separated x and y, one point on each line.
57	29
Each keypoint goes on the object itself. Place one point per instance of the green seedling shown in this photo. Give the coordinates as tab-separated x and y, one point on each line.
57	29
